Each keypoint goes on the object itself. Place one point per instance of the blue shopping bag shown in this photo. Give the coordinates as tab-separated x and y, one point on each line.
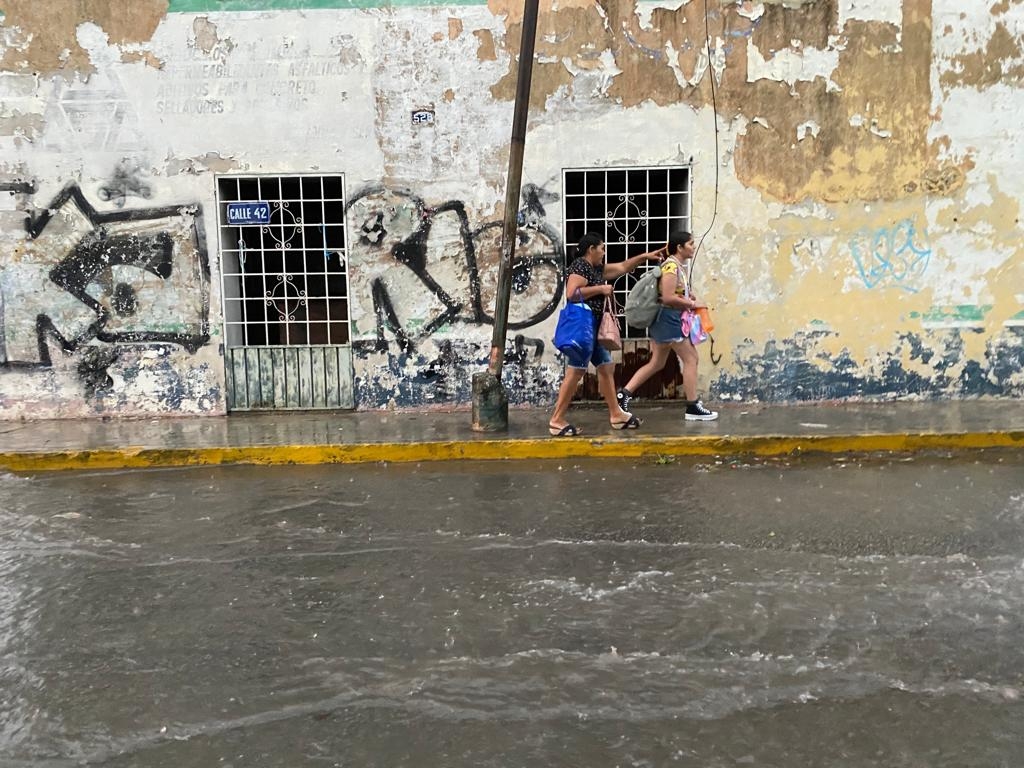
575	329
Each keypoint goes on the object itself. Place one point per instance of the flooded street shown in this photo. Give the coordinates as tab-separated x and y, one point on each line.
816	612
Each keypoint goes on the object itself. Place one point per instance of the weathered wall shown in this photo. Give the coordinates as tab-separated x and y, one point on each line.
866	242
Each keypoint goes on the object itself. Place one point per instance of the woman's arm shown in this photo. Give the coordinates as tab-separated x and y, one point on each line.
670	298
579	283
620	268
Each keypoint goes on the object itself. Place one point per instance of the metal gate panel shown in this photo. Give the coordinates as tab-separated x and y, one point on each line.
289	377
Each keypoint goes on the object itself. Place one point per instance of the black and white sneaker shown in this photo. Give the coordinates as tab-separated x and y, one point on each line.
624	396
697	412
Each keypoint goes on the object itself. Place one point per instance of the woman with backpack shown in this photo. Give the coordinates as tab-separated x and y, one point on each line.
666	331
587	282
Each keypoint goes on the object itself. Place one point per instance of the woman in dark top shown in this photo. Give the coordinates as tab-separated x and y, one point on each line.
588	274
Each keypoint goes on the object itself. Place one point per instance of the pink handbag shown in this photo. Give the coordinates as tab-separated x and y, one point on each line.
608	334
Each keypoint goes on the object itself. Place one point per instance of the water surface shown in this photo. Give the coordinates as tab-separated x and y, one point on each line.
829	612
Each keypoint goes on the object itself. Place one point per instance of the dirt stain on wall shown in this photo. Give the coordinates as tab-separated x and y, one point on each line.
870	115
25	127
44	34
999	62
485	50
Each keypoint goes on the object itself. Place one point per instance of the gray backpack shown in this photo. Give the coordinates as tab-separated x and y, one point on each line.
643	299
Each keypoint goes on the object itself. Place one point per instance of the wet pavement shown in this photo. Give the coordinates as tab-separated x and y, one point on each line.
347	437
821	611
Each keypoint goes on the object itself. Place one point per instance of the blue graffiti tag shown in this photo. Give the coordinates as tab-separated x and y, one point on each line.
891	255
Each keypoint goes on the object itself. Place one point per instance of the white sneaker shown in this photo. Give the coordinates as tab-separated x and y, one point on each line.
697	412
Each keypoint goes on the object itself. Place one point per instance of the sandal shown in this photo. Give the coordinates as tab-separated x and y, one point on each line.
569	430
631	423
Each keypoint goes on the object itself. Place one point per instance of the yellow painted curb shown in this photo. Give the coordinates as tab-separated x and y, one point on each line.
484	449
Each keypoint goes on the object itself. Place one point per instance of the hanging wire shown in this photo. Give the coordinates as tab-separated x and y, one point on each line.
714	111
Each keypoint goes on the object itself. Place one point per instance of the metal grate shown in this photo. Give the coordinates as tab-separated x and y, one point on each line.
285	289
634	209
285	273
264	378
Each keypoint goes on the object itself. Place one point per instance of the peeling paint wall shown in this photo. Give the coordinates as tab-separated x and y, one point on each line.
854	160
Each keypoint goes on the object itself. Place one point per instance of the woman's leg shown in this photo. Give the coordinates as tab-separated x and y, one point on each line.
659	354
688	360
570	383
606	386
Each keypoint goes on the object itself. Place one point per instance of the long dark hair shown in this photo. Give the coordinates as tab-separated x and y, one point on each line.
587	242
677	240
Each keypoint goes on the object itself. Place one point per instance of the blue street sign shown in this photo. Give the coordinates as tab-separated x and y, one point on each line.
243	214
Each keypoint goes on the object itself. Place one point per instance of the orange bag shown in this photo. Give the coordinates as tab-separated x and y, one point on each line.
705	320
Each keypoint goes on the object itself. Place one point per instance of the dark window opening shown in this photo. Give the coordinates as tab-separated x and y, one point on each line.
633	209
285	281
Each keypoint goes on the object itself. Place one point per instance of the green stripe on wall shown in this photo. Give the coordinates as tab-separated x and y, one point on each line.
959	313
201	6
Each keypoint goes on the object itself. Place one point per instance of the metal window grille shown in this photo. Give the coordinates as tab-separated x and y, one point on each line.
285	282
285	291
634	209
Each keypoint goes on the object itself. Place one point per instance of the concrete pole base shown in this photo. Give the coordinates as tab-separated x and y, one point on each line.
490	404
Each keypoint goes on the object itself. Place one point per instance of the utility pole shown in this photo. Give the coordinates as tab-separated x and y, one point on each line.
490	402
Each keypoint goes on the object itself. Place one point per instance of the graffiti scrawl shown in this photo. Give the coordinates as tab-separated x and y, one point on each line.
399	228
130	276
126	182
893	256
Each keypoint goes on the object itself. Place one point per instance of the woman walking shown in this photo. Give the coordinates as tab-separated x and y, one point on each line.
587	278
666	331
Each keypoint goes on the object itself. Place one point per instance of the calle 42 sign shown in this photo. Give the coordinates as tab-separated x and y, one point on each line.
248	214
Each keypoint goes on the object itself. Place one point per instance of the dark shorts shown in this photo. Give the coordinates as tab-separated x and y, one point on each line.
581	358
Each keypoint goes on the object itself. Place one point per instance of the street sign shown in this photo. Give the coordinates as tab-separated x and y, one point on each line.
248	214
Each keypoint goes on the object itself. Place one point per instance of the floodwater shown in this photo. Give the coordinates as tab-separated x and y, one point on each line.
825	612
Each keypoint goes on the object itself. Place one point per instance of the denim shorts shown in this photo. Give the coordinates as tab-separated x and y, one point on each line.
598	355
667	326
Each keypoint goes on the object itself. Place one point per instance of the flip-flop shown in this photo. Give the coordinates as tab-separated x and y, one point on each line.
569	430
631	423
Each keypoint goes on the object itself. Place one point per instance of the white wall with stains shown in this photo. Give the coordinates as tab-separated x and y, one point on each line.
851	168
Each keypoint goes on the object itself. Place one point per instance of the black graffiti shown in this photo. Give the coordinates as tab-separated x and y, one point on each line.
413	252
124	301
522	374
45	331
524	269
519	352
96	252
448	375
124	184
533	212
92	368
73	193
18	187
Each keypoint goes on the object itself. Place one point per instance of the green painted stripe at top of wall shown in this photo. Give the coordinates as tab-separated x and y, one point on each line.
200	6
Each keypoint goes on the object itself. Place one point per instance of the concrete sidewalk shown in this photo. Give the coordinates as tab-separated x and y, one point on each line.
343	437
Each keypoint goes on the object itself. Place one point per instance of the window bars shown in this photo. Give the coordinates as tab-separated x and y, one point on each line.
634	209
284	265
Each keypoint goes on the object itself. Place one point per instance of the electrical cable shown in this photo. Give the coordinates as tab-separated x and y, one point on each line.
714	112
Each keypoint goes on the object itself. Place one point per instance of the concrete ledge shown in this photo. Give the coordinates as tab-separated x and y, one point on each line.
520	448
